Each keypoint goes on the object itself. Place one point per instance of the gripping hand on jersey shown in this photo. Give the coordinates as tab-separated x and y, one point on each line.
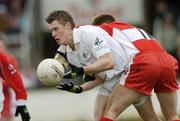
75	72
70	87
22	110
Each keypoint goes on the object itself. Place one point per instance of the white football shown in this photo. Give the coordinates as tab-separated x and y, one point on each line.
50	72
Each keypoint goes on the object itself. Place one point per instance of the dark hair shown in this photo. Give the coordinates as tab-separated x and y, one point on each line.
102	18
61	16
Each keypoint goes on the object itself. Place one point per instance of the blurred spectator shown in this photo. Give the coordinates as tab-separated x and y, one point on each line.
10	15
4	23
164	27
178	49
161	9
169	35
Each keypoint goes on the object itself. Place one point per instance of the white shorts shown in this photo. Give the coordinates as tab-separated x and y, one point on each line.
106	88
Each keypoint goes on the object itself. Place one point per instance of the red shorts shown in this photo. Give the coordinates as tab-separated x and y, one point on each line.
152	70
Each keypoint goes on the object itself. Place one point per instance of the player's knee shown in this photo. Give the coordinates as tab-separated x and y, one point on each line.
142	100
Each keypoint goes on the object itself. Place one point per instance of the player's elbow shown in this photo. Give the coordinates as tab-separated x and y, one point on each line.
110	63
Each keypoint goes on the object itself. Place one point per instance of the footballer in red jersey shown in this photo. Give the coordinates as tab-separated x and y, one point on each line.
11	77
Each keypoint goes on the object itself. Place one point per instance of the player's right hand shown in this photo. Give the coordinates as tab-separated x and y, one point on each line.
22	110
70	87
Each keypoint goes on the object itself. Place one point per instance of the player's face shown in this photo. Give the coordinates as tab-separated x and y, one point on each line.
60	32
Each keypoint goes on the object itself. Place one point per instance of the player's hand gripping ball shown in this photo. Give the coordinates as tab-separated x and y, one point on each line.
50	72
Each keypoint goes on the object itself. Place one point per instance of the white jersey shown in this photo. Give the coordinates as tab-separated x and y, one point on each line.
92	42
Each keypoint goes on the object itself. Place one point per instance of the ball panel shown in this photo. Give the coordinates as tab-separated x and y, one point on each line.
50	72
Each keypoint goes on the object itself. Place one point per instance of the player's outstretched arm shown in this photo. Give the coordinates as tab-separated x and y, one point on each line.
60	57
92	84
80	88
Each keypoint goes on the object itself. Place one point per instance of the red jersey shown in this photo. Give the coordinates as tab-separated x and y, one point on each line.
132	35
9	73
151	66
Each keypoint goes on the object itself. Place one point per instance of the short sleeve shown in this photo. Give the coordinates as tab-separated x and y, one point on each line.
96	39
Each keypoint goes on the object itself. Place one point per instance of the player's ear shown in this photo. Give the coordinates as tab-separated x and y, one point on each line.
68	25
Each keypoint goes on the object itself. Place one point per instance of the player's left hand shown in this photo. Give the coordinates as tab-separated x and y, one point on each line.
70	87
22	110
88	77
75	72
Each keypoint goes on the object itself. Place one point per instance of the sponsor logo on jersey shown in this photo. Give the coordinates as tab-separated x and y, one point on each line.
98	42
85	55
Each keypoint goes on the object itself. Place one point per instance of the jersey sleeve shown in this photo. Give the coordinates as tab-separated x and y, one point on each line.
96	39
9	73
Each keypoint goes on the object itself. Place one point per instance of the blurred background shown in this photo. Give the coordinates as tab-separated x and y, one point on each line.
29	40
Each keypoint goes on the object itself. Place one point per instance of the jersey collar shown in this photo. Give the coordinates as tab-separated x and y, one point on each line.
76	39
76	35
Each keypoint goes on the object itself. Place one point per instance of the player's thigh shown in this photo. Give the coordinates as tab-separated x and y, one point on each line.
168	102
120	99
146	111
99	106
